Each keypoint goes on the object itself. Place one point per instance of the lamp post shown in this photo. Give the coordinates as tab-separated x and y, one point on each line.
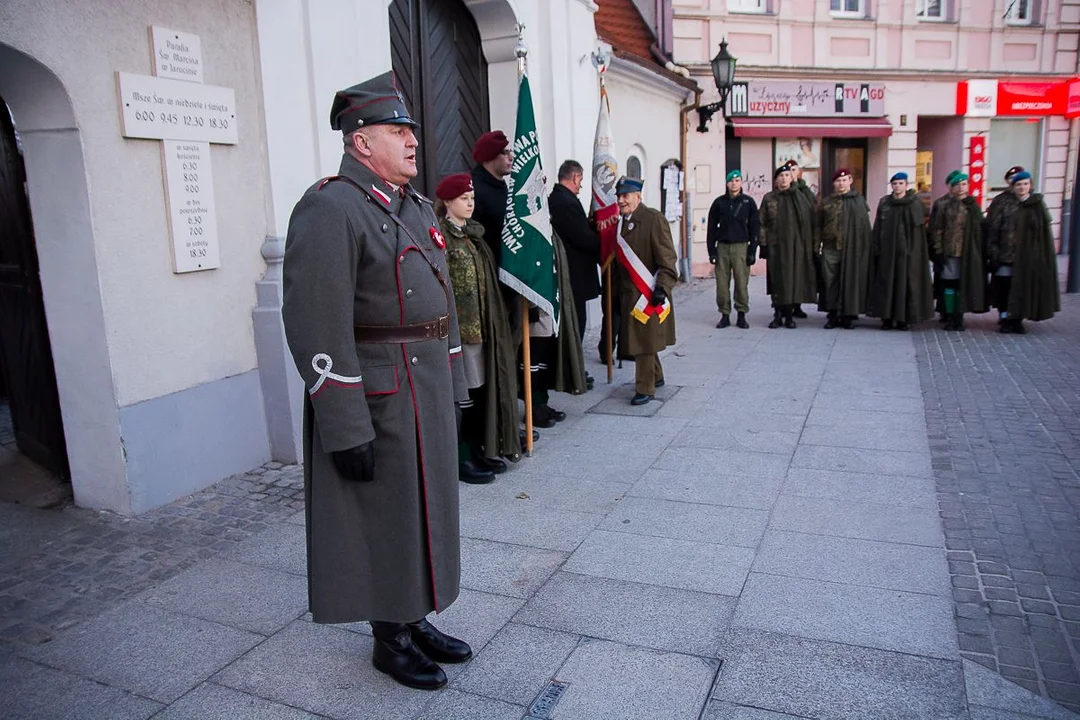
723	72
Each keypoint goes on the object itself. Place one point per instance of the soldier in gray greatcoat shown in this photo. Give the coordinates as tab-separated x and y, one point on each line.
371	323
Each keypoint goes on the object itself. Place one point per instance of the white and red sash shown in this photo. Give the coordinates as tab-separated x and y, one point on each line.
643	280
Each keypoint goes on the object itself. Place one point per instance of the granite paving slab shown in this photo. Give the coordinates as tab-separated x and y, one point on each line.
505	569
518	522
742	527
878	462
869	521
210	701
710	487
861	487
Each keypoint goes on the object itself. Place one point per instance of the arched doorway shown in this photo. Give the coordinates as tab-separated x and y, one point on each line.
27	375
437	57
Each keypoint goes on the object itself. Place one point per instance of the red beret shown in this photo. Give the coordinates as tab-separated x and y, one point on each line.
489	146
454	186
842	172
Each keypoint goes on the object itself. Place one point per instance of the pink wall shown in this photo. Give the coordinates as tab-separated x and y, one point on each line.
945	137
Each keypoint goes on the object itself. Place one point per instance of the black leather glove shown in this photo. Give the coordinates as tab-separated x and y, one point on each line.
356	464
457	417
939	259
534	315
764	252
658	296
751	257
712	260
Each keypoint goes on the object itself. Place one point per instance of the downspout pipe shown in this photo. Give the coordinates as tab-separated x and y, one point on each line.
685	273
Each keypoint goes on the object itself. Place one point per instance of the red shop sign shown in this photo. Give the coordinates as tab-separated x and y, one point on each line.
1072	99
977	168
1032	98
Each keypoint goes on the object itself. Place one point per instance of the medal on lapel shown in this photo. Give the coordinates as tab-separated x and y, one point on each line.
437	237
630	225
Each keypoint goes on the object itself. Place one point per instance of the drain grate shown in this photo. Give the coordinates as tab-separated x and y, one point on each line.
547	700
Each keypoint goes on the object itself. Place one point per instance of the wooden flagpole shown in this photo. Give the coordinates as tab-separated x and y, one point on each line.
526	351
608	319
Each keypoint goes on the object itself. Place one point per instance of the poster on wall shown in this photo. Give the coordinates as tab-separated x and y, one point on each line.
805	151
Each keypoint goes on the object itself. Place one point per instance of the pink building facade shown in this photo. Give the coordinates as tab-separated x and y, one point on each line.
881	86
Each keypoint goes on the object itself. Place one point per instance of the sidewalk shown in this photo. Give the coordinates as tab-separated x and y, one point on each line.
766	545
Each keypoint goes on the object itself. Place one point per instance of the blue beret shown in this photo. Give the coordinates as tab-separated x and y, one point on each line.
628	185
1022	175
899	176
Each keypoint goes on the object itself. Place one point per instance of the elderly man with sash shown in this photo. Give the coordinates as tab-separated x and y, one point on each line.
371	323
647	274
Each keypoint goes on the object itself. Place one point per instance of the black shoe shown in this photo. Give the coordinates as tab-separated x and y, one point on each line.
557	416
831	322
943	318
521	437
789	323
495	465
776	321
798	312
470	472
725	321
901	326
396	655
847	323
437	645
1018	327
640	399
660	383
589	381
541	418
886	324
741	321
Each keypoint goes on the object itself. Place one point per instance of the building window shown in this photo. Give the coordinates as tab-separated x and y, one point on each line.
633	167
748	6
1020	12
1013	142
930	10
848	8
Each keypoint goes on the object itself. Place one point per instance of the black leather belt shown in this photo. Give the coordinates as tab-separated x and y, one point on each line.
434	330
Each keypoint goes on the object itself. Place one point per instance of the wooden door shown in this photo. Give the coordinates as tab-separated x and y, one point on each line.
440	67
26	360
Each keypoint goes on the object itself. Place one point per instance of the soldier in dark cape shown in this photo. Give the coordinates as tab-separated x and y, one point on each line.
956	236
489	426
901	293
1021	249
799	184
787	239
844	233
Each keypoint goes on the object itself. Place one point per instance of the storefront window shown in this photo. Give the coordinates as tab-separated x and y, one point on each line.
1013	142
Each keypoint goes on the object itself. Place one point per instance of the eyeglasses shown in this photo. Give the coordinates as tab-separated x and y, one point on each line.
508	153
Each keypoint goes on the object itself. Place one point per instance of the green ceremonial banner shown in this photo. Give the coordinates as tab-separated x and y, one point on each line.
527	261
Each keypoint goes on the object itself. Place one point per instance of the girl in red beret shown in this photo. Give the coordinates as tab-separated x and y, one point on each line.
489	419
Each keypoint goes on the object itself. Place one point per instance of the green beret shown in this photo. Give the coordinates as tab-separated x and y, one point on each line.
733	174
957	177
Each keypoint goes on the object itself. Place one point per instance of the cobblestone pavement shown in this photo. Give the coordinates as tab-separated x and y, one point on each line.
1003	416
61	568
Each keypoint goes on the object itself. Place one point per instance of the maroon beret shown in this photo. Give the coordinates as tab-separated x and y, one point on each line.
842	172
1013	171
454	186
791	164
489	146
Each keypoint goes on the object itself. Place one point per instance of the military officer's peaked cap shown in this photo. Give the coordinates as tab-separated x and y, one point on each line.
372	102
628	185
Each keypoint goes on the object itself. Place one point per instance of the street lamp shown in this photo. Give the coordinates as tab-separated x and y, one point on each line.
723	73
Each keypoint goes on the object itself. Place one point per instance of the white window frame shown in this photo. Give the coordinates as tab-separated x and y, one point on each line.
859	13
943	9
748	7
1012	9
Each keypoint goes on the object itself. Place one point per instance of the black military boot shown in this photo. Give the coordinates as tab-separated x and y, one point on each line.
470	472
799	313
901	325
437	645
725	321
776	321
789	323
847	322
397	655
740	321
886	324
831	321
495	465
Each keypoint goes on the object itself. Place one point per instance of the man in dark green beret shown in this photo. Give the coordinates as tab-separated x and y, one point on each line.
371	323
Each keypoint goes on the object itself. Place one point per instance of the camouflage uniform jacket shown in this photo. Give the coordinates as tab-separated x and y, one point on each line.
831	219
468	277
948	222
1001	228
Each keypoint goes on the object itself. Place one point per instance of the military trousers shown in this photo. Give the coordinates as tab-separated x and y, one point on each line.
831	263
731	262
647	372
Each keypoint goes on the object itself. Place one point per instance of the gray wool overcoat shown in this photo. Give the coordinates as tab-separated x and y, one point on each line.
387	549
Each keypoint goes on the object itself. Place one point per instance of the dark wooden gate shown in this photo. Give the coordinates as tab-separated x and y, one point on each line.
24	337
440	67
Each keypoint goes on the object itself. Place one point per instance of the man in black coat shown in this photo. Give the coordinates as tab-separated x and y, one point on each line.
732	242
494	160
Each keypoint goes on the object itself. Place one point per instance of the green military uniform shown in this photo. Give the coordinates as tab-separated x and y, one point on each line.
648	234
788	231
956	237
1021	240
900	289
844	232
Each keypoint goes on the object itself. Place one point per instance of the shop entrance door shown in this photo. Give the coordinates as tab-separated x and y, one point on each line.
847	153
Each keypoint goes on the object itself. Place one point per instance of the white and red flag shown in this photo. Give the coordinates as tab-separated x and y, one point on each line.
605	171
